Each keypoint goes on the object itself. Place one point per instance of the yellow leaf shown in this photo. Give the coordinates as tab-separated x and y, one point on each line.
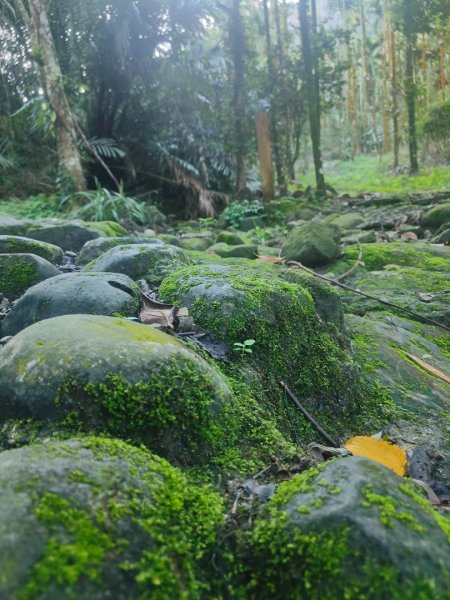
389	455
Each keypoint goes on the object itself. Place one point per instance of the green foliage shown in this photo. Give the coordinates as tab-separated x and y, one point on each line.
436	125
104	205
34	207
244	347
237	211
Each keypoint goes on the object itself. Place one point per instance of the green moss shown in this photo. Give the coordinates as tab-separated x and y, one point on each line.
442	521
420	256
64	564
175	525
108	228
171	411
292	344
16	274
389	511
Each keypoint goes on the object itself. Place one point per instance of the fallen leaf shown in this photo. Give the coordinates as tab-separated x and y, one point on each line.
273	260
429	368
389	455
157	313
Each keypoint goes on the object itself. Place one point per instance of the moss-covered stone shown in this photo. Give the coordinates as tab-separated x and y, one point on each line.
348	221
230	238
350	529
10	244
438	215
18	272
237	303
196	243
236	251
314	244
95	248
107	228
74	293
96	519
101	374
151	261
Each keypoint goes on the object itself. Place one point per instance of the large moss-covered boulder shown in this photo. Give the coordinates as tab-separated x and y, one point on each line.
230	238
74	293
437	216
237	302
313	244
351	529
18	272
348	221
199	243
96	519
72	235
95	248
151	261
11	244
106	374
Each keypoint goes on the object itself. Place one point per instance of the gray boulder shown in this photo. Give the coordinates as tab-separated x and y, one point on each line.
237	251
18	272
313	244
350	529
11	244
152	261
95	248
96	519
11	226
104	374
74	293
73	235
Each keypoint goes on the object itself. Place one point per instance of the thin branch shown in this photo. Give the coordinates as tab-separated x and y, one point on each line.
306	414
370	297
355	266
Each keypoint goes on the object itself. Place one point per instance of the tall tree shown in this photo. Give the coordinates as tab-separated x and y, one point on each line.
237	36
313	98
414	17
36	20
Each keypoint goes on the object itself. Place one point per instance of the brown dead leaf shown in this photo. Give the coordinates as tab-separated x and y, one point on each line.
157	313
389	455
272	260
428	367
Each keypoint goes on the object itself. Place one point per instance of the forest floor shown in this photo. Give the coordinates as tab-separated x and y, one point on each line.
183	338
367	174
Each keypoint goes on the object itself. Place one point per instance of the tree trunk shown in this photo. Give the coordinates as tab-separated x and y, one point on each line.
238	48
52	81
265	154
394	91
311	95
410	88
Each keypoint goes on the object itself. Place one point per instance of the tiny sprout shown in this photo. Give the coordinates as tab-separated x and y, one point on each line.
244	347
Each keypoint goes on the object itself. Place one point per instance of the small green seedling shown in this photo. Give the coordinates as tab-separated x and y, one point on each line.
244	347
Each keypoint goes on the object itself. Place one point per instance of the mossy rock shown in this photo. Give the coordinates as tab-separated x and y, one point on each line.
72	235
383	346
350	529
10	225
110	375
71	294
18	272
168	238
230	238
10	244
226	251
348	221
196	243
437	216
96	519
236	303
402	286
155	218
313	244
419	255
95	248
151	261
